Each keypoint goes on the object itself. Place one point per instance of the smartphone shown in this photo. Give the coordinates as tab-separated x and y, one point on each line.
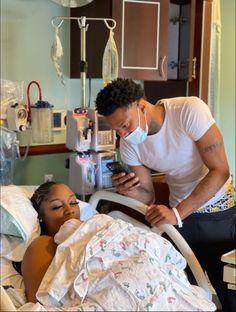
116	167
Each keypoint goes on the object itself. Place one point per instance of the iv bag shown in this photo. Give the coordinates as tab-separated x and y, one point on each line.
8	153
56	54
110	60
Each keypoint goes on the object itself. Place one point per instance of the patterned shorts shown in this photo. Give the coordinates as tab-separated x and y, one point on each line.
226	202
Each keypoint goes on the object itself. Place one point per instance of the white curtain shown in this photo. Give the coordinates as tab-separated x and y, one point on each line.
215	59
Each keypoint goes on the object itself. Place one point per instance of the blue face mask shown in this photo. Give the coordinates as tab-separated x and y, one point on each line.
138	135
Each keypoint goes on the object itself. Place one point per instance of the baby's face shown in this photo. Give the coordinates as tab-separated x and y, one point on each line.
59	206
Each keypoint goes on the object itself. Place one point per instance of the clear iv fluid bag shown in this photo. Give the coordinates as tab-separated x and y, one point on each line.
8	153
110	64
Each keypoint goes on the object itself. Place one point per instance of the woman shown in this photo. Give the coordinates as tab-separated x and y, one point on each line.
55	204
102	263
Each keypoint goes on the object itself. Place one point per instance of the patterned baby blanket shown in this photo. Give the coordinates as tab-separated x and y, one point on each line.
110	265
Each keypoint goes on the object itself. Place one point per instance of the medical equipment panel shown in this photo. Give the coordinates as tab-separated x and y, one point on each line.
89	135
103	174
78	130
103	137
59	119
82	173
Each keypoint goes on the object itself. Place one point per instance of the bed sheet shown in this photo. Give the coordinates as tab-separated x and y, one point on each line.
9	276
109	264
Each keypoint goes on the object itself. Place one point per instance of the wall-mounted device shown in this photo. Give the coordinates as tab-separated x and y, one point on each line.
17	117
103	137
58	127
59	119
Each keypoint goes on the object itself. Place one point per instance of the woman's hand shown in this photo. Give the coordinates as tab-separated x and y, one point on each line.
160	214
125	183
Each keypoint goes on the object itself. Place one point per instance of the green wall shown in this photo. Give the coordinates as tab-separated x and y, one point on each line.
26	39
32	170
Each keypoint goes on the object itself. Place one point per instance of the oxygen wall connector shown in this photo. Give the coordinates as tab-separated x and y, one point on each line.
48	177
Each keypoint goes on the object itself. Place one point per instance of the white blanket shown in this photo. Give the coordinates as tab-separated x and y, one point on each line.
110	265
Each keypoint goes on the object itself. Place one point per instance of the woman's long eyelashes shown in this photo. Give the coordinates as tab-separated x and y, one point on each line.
57	207
74	203
62	205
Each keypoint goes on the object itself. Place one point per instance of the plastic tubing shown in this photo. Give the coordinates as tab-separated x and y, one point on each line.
28	97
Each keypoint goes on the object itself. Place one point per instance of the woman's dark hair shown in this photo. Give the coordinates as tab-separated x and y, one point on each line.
119	93
41	193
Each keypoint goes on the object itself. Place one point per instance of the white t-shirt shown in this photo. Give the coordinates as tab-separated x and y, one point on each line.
172	150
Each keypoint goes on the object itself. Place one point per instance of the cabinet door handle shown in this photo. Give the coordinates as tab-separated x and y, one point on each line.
194	63
162	71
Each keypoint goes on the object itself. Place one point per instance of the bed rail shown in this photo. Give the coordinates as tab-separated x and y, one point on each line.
5	302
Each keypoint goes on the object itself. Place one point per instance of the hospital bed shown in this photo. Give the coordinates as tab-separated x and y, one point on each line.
6	304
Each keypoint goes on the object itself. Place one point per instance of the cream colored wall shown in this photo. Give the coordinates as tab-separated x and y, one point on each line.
227	87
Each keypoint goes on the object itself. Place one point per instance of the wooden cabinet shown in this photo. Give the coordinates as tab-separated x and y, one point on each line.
181	38
141	36
161	189
197	83
202	43
165	43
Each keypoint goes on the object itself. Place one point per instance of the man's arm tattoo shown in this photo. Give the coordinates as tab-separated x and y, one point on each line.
212	147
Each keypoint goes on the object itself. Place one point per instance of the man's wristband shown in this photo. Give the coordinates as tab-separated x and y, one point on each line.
179	221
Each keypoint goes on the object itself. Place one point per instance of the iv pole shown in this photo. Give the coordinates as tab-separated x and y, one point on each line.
83	28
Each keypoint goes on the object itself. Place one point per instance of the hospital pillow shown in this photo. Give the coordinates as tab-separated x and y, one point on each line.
18	217
86	210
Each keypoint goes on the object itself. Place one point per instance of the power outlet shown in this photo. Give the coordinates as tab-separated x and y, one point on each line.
48	177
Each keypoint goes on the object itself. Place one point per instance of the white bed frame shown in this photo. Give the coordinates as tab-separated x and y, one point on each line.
7	305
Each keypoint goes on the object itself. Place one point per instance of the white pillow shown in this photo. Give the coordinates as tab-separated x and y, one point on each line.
19	222
86	210
18	217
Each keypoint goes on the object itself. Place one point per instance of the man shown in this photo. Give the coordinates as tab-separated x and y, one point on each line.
179	138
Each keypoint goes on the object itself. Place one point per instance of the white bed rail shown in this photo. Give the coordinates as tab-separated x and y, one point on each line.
6	303
167	228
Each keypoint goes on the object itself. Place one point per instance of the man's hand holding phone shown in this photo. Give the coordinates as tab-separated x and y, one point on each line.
122	179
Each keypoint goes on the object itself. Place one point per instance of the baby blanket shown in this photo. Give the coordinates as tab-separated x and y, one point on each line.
110	265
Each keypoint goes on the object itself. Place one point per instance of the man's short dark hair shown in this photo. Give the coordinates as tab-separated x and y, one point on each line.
119	93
